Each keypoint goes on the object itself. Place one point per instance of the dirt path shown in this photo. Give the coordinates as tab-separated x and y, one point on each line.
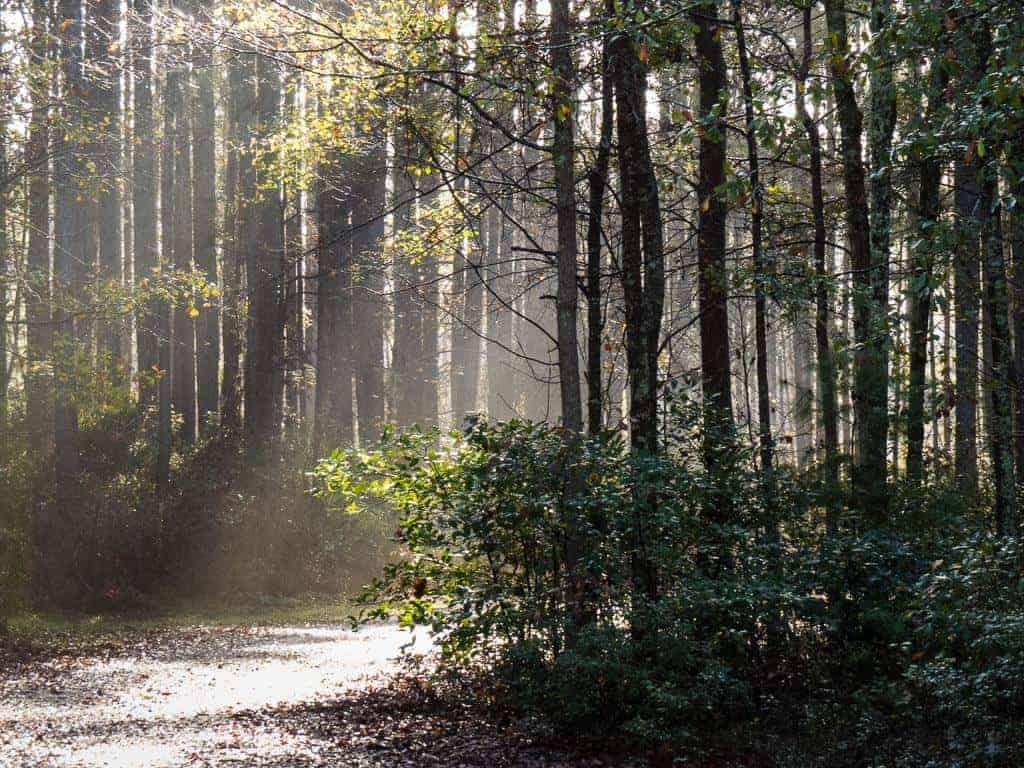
285	697
190	698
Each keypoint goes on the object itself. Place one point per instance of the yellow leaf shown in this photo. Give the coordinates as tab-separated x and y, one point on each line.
192	311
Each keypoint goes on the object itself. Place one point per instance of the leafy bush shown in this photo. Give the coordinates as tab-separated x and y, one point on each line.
760	627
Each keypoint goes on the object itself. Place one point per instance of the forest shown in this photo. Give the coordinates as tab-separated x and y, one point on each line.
663	360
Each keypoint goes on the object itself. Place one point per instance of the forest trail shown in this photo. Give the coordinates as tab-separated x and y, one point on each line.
194	697
250	697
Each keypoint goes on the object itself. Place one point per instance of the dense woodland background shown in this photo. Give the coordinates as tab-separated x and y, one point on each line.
682	342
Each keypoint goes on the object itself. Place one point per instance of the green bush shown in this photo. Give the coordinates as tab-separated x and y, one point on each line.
763	630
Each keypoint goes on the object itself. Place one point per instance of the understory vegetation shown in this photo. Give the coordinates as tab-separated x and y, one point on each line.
771	635
216	528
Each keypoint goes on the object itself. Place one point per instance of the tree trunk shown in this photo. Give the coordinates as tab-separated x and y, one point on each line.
239	230
1000	373
827	401
756	222
144	198
264	269
1016	229
643	284
643	257
105	90
69	272
183	365
38	392
920	287
713	277
564	159
204	204
598	181
334	417
369	190
406	353
870	402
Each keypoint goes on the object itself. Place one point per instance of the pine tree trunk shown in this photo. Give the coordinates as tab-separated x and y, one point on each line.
334	413
564	158
105	87
183	365
870	374
712	275
999	373
406	350
757	257
369	191
69	256
263	375
827	401
38	392
920	288
204	206
598	182
144	199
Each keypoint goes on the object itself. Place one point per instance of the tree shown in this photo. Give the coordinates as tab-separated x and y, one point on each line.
69	256
144	199
263	373
870	377
756	224
713	278
39	331
923	256
204	207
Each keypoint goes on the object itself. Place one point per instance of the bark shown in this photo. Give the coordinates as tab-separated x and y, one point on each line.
334	416
144	198
501	390
263	372
712	275
69	256
881	127
564	159
162	325
183	365
643	285
920	288
240	228
756	224
828	408
5	267
869	278
369	190
598	182
38	393
204	206
407	347
643	257
105	95
1016	221
467	288
999	374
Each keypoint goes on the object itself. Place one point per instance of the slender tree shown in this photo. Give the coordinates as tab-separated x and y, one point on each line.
39	335
204	207
712	275
870	401
922	267
263	372
756	226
